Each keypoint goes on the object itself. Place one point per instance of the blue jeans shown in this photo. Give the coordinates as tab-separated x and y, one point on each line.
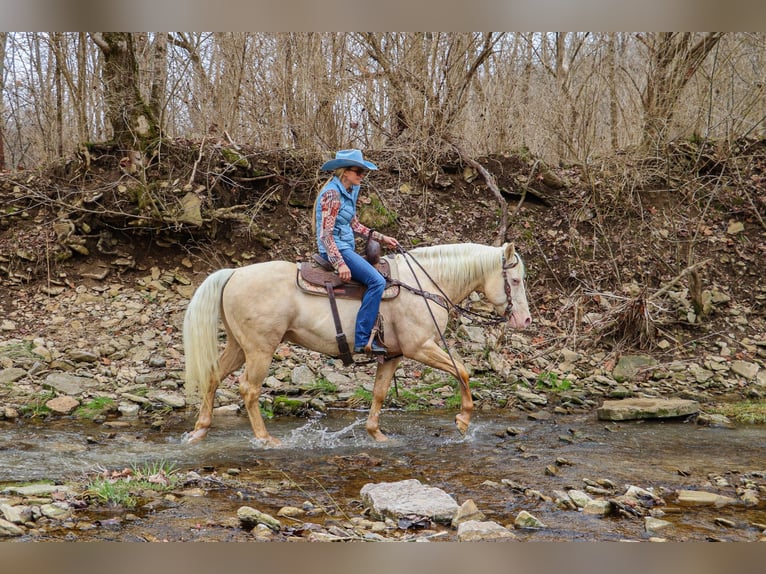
366	274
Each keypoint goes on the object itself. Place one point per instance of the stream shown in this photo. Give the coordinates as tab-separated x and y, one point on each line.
325	461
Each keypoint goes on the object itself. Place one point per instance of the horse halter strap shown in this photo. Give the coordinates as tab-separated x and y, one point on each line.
506	285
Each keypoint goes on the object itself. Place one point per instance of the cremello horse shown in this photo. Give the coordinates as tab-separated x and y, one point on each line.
261	306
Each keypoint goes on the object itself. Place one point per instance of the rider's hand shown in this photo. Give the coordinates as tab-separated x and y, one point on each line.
344	272
389	242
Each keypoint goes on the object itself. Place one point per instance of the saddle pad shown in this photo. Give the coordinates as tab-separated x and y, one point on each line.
311	278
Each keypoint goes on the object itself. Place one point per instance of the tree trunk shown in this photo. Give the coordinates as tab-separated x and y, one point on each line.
133	122
159	75
3	40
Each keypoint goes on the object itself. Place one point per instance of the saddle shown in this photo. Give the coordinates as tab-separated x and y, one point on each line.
314	276
317	277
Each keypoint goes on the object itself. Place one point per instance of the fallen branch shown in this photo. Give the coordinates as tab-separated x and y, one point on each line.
677	278
492	184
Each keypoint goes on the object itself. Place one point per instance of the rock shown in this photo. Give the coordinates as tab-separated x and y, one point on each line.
8	529
474	531
630	409
714	420
175	400
643	496
69	384
735	227
597	507
654	525
702	498
128	409
579	498
303	376
530	397
408	497
631	366
291	512
56	510
8	376
16	514
525	520
191	206
745	369
251	517
467	511
80	356
63	405
33	490
475	334
227	410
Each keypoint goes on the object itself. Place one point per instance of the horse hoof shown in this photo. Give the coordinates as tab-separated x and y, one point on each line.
378	436
194	437
269	442
462	425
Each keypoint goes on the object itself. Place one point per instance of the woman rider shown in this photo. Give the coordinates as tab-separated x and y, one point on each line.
336	223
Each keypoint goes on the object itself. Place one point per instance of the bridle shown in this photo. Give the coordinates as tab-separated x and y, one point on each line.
444	301
508	296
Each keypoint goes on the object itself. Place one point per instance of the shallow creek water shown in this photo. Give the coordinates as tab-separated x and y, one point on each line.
327	460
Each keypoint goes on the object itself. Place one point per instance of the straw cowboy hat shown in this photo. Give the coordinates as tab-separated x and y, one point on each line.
348	158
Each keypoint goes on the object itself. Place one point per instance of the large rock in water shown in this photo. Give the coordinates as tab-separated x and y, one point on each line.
630	409
409	497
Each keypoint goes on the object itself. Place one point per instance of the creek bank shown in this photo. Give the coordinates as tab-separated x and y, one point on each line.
407	510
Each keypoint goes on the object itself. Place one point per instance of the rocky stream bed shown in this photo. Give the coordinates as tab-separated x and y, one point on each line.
108	354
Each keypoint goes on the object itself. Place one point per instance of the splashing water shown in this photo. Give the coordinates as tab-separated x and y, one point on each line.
315	435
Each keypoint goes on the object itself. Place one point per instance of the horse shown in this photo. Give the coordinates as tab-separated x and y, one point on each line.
261	306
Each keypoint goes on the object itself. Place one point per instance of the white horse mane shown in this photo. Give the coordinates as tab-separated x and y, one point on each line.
460	262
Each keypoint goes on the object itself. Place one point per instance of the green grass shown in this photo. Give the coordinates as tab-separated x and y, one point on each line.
363	396
18	350
746	412
126	488
549	381
37	408
95	407
323	386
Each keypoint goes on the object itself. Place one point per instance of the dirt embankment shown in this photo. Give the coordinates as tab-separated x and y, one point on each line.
660	257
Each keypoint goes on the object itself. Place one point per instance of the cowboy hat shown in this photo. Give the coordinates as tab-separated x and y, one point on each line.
348	158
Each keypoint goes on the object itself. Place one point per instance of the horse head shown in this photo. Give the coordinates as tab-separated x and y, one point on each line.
512	300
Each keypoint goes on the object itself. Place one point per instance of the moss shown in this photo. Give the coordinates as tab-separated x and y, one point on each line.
95	408
234	158
746	412
287	406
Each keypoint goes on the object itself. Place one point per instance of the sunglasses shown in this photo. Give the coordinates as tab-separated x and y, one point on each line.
358	170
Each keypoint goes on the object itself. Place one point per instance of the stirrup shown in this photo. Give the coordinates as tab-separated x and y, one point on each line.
373	348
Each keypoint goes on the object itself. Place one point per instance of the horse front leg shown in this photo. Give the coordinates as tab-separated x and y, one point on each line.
230	360
434	356
256	369
383	376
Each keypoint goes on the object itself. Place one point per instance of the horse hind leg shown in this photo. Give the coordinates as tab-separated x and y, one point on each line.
230	360
250	383
383	377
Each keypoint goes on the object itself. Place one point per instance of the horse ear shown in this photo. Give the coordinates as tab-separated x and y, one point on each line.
509	250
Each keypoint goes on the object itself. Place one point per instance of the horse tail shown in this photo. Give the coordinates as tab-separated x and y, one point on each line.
200	334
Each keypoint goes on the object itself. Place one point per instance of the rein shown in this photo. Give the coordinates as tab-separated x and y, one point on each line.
444	301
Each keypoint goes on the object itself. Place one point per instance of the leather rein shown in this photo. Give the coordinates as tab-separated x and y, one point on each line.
444	301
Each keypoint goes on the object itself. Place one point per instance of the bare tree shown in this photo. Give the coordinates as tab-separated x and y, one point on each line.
133	122
674	58
3	42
